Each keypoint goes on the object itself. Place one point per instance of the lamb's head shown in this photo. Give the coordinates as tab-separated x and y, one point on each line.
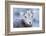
28	17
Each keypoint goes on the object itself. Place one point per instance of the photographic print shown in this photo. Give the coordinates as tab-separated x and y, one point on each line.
25	17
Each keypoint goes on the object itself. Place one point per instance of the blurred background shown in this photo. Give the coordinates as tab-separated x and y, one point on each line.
26	17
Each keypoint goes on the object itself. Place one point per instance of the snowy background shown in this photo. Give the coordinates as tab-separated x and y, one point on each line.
19	13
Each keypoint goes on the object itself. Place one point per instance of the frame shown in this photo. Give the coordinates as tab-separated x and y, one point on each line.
7	17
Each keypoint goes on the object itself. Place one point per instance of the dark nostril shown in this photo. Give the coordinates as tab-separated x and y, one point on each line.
30	22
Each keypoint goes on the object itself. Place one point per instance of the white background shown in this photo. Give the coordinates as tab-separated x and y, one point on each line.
2	18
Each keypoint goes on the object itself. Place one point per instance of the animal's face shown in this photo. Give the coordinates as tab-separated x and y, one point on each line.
28	17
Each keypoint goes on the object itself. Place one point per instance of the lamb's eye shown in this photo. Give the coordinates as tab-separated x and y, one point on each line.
25	17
